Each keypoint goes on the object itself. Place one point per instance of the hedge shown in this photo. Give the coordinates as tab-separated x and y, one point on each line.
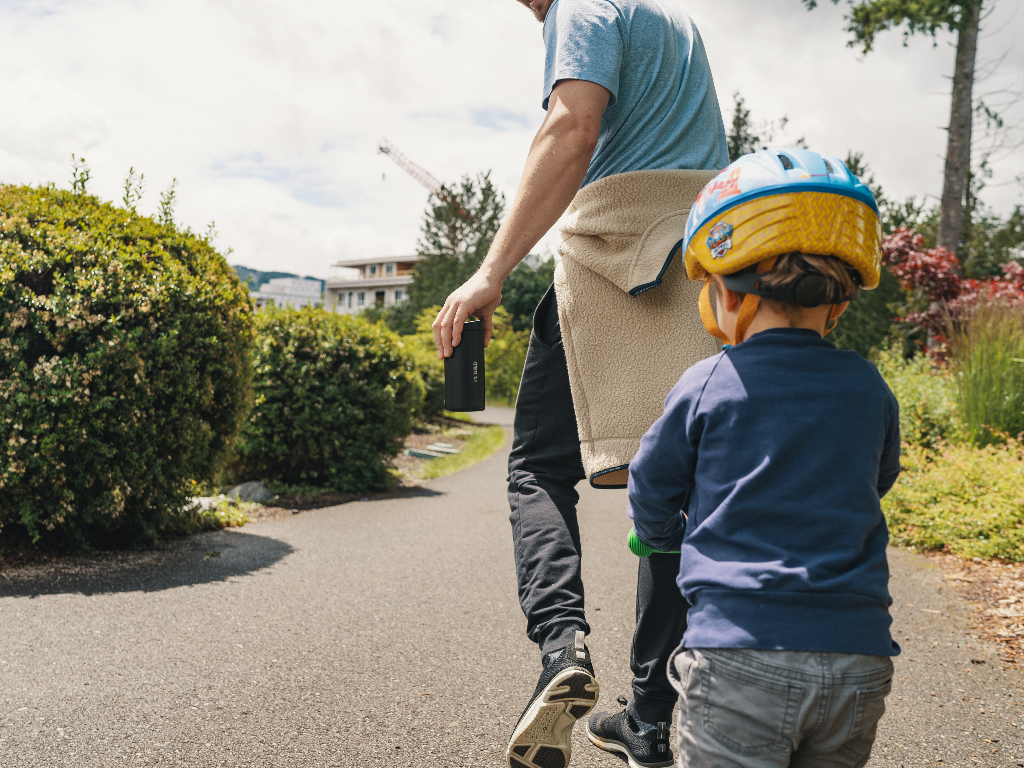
124	367
335	396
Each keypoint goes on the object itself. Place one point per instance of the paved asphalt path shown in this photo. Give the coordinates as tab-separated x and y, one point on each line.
388	633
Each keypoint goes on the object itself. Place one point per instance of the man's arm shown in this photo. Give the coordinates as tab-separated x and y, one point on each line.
555	168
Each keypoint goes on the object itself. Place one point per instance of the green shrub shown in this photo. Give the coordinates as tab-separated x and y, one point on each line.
124	368
505	358
964	499
987	359
524	288
335	396
225	513
428	364
868	323
925	391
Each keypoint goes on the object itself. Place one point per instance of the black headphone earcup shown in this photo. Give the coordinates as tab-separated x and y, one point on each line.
811	290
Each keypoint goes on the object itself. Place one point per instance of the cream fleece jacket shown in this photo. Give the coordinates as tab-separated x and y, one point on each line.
628	314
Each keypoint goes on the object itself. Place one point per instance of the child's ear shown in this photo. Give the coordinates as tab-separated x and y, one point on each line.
838	309
730	301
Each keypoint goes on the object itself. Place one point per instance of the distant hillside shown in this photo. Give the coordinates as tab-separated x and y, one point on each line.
255	278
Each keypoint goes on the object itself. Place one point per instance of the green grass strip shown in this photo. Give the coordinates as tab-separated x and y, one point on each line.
484	442
458	416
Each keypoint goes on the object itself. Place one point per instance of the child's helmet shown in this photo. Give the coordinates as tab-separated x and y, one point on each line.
774	202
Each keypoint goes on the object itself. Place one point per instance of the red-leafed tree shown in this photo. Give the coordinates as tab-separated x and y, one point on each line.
934	275
935	272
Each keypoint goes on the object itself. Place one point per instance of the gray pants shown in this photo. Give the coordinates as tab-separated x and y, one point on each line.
544	468
773	709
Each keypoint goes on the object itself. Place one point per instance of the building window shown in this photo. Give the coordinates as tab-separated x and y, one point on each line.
350	299
361	299
372	269
398	296
389	269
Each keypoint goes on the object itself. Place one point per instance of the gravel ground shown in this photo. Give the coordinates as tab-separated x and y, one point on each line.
955	701
997	591
388	633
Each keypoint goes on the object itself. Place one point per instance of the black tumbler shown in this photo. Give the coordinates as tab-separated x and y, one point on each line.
464	371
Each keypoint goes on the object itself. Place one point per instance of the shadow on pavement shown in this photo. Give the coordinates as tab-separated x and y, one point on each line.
306	503
201	559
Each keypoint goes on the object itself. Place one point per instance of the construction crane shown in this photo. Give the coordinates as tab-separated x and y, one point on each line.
424	177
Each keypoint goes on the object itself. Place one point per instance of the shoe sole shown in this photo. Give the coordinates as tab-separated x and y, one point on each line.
610	745
543	737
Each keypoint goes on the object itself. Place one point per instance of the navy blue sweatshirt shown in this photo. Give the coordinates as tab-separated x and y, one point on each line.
779	450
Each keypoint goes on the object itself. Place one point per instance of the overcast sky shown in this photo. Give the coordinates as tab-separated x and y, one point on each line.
269	112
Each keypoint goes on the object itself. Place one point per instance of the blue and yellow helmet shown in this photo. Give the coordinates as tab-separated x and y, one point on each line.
781	201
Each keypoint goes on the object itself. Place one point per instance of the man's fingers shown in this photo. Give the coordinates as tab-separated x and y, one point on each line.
462	303
446	330
459	320
436	327
488	329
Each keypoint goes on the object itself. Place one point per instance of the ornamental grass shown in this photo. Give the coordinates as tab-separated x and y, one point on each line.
987	361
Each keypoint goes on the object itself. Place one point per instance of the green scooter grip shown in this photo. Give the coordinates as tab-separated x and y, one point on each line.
640	549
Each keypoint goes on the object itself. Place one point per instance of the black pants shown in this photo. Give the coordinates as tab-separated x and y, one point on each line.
544	468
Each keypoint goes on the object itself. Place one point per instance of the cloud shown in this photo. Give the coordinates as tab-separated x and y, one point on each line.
42	124
268	113
501	119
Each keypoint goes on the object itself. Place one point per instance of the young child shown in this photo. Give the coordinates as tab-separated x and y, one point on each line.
778	450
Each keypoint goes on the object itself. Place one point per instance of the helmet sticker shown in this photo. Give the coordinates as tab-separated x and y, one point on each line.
720	239
723	188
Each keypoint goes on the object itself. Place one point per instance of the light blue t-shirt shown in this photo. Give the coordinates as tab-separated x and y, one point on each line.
663	111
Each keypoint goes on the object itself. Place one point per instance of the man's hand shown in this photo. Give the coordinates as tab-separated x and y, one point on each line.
478	296
555	169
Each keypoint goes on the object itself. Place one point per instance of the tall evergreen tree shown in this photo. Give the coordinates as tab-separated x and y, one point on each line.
741	139
454	240
524	288
869	17
746	136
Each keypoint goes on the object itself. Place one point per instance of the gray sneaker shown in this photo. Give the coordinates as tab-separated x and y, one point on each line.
618	733
567	690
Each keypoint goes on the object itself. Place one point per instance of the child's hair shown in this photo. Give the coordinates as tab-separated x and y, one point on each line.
841	280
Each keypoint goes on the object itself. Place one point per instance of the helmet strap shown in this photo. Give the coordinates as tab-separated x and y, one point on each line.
751	302
748	308
707	314
832	318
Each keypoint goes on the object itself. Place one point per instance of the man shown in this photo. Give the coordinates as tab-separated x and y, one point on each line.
627	88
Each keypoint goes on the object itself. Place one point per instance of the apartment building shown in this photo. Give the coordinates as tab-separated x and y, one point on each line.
294	292
356	284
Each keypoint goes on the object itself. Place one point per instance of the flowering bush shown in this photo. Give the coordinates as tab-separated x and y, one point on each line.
335	396
124	367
